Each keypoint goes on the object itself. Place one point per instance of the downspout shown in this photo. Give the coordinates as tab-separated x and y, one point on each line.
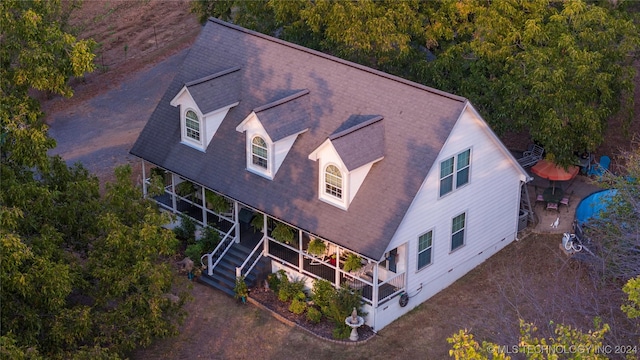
144	181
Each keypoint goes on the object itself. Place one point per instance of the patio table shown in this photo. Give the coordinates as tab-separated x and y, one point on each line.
553	195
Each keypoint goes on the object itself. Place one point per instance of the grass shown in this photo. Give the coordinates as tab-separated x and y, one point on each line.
530	279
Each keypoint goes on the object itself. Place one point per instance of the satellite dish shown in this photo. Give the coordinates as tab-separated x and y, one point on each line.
404	299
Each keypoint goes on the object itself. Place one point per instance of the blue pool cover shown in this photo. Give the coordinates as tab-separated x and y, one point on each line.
592	205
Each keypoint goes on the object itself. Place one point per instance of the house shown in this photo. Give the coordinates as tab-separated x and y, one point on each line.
301	145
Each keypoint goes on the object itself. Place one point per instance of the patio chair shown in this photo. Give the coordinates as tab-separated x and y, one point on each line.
539	197
600	168
565	200
552	206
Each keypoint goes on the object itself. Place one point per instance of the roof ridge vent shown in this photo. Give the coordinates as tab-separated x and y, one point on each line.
213	76
356	127
281	101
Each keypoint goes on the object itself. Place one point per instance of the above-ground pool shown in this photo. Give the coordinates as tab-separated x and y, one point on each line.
592	205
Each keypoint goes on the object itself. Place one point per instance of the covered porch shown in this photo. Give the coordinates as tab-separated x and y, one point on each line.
286	245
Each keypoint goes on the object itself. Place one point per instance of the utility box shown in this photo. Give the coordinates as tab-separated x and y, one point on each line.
523	220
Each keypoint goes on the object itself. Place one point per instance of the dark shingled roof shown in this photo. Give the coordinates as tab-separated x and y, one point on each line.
362	143
417	121
216	91
286	116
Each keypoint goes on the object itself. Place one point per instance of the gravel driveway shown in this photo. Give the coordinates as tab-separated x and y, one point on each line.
99	132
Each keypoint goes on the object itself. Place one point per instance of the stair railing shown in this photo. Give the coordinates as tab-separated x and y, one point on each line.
219	251
255	249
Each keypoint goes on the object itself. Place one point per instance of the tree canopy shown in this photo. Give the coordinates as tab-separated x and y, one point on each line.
81	273
557	70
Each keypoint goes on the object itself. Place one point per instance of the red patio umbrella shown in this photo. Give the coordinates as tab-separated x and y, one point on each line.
548	170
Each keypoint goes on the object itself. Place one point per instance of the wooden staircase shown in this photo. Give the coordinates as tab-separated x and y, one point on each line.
224	274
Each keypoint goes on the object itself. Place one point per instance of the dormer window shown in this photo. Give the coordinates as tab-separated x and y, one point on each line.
259	152
204	103
271	131
345	158
333	181
192	126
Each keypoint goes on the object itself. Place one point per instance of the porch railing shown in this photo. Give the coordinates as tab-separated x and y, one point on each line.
390	288
214	257
251	256
356	283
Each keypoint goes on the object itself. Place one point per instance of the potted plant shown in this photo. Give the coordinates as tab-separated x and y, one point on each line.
352	263
257	222
284	233
316	247
185	188
216	202
241	290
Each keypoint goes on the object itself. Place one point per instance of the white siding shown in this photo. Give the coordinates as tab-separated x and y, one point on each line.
490	200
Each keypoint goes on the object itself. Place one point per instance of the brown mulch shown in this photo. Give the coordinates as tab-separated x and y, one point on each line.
323	329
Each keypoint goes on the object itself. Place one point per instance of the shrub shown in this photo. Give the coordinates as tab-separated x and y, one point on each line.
209	240
274	282
340	307
194	251
298	306
322	293
341	331
186	231
314	315
290	289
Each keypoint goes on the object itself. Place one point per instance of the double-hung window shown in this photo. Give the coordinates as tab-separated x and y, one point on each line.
259	152
192	126
454	172
425	244
457	231
333	181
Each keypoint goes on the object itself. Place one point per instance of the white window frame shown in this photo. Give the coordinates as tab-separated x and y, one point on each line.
462	230
429	248
264	147
456	171
257	169
198	144
327	184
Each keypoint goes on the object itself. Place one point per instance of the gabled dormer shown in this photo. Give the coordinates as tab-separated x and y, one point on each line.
271	130
346	157
204	103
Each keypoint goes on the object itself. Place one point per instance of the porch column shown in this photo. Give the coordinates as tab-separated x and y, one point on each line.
300	257
144	180
204	205
174	201
236	221
337	279
374	296
264	234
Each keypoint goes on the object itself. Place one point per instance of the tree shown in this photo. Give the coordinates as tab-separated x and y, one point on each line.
569	341
35	53
83	276
632	289
615	234
559	70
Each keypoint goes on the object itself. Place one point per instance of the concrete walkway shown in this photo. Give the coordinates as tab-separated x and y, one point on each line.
581	186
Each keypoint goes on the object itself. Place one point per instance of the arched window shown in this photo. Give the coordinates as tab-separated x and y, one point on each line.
259	152
333	181
192	125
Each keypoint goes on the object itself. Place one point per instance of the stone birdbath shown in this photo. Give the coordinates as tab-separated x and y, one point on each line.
354	322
